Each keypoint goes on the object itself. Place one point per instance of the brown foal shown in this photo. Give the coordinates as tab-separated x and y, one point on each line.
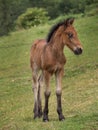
48	56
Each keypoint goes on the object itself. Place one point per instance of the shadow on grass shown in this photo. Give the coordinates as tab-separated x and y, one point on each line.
51	119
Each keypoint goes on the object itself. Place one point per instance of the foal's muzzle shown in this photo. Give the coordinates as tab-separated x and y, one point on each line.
78	51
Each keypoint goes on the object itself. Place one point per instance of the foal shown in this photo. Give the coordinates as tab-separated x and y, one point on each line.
47	56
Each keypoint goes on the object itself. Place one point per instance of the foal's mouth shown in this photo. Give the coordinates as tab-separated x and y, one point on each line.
78	51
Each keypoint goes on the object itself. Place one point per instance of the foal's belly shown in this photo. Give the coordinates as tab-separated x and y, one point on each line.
52	67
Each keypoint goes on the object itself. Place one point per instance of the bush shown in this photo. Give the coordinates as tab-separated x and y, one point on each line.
32	17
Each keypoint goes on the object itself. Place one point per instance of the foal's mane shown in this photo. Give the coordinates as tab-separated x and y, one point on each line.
56	26
53	29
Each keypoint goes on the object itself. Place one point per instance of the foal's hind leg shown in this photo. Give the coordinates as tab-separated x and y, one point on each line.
35	90
40	80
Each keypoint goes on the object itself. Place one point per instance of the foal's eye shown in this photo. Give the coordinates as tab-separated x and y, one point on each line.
70	35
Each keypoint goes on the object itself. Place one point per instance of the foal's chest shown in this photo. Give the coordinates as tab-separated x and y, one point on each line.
52	61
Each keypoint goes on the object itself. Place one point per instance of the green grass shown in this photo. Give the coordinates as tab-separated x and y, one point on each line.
80	82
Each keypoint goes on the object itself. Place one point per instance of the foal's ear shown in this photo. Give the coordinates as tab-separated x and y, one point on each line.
69	21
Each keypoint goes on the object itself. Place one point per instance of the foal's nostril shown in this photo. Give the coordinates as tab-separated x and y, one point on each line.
78	51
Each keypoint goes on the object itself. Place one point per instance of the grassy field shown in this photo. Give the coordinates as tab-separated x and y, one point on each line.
80	82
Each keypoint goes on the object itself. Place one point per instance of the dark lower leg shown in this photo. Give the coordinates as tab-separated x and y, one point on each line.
40	113
39	103
35	110
40	80
45	112
59	107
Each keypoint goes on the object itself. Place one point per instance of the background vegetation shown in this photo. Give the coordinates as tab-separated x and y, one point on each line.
10	10
32	17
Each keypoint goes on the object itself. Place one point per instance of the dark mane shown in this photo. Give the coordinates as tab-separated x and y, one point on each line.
56	26
53	29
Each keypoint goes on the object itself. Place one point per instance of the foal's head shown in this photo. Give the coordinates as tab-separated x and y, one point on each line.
70	37
66	34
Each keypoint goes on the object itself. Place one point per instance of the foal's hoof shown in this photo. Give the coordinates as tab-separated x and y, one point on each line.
45	120
40	114
62	118
35	115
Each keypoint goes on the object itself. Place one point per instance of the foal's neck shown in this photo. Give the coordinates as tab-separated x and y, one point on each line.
58	45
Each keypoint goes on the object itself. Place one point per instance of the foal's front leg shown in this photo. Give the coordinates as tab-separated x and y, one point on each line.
59	75
47	95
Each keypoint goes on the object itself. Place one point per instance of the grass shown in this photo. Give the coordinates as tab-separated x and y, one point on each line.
80	82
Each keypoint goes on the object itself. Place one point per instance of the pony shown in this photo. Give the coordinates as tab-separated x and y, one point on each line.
47	58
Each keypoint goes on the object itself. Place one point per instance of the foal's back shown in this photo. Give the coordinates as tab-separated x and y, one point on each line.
36	52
